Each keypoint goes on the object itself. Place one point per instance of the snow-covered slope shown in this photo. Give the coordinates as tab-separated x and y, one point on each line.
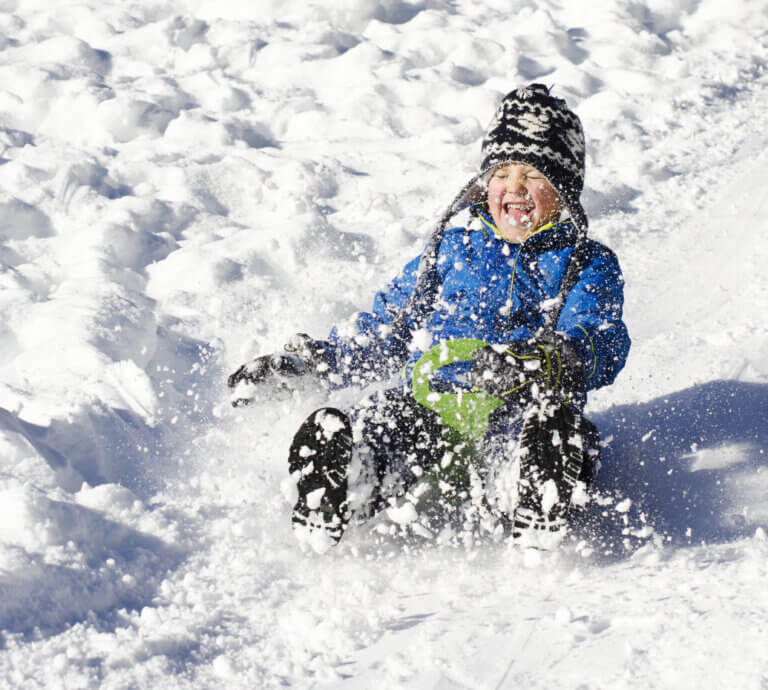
185	184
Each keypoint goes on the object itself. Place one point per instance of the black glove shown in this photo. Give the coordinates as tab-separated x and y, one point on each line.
303	356
525	370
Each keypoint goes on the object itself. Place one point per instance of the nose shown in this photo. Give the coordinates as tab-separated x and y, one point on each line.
515	183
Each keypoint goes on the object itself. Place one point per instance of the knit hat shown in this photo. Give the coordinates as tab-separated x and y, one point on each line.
537	129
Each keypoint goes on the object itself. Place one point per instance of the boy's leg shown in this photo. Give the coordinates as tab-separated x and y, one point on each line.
397	440
356	461
537	458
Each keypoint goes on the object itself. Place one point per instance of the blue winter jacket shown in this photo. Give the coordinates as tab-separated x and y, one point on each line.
495	291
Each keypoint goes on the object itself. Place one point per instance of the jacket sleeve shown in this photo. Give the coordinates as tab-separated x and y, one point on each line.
364	349
591	317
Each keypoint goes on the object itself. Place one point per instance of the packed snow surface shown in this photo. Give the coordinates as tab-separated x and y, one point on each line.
183	185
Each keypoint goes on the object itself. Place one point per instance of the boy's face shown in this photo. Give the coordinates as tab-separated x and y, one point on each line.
521	200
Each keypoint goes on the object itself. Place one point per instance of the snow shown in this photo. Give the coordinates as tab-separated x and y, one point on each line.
185	185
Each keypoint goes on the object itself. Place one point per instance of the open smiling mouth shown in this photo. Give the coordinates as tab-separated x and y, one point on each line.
518	213
511	207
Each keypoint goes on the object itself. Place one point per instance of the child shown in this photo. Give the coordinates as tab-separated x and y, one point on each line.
499	329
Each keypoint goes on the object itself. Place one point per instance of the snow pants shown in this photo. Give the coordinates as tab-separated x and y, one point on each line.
397	441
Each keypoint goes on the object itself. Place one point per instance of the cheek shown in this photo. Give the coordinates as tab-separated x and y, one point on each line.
494	193
545	197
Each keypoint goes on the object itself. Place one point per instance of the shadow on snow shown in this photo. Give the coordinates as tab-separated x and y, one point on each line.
694	463
120	569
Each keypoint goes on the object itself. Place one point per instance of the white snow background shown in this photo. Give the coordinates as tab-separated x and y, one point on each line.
185	184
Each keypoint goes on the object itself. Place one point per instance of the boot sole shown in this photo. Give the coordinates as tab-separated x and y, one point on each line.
319	459
549	470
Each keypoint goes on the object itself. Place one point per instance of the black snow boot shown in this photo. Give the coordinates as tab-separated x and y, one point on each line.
319	460
557	449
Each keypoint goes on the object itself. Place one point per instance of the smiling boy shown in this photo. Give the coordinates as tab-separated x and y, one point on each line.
500	328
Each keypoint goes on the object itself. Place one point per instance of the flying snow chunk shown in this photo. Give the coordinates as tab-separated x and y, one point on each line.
330	425
549	496
403	515
314	498
422	340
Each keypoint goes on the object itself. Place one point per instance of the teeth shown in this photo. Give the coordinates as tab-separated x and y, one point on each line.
515	207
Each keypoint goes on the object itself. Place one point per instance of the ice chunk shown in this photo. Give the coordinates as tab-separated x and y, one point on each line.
404	514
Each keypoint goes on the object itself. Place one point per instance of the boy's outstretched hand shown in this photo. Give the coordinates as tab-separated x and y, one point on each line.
274	375
523	370
267	369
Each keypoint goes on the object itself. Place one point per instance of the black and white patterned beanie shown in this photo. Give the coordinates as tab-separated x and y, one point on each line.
537	129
